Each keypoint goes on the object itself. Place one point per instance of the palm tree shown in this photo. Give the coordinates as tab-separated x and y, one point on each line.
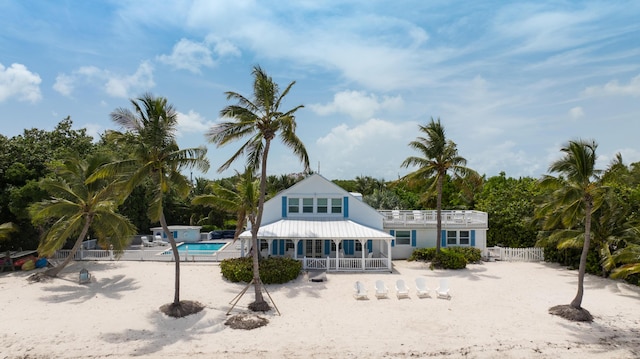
242	201
6	229
260	119
439	157
77	205
156	155
576	195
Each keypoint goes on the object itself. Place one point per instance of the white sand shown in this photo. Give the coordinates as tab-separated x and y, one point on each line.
497	310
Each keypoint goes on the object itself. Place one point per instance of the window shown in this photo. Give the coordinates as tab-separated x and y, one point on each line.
307	205
358	246
294	204
403	238
264	244
322	205
336	205
452	237
464	238
289	244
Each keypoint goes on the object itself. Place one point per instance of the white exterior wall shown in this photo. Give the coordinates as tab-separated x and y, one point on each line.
184	233
319	187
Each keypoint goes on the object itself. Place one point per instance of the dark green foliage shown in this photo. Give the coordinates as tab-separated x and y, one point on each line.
423	254
273	270
510	207
449	259
471	254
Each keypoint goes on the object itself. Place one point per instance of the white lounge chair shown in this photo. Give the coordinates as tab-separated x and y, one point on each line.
443	290
402	291
360	292
381	290
147	243
159	241
421	288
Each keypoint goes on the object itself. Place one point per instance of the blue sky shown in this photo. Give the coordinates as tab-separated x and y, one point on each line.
511	81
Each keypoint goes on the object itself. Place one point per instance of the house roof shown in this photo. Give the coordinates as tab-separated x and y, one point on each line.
317	229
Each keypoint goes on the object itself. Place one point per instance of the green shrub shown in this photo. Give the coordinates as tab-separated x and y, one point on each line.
423	254
471	254
448	259
237	269
274	270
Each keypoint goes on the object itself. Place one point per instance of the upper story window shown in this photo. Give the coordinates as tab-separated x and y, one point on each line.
307	205
322	205
294	205
312	205
336	205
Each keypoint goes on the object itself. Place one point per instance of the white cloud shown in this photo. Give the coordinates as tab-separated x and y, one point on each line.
576	113
614	88
192	122
17	81
376	146
188	55
123	86
113	84
357	104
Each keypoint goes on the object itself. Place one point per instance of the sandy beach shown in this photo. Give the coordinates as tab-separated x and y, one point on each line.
497	310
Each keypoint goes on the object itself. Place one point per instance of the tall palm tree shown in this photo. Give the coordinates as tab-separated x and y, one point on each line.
261	119
439	157
242	200
155	155
576	195
77	205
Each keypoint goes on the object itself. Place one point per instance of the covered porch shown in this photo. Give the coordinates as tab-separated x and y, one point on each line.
332	245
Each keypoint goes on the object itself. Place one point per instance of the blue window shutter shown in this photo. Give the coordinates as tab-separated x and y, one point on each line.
443	240
369	246
393	241
283	244
164	234
345	207
300	248
274	247
175	235
413	238
327	247
284	206
473	238
352	247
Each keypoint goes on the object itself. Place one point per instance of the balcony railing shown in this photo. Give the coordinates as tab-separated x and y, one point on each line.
428	217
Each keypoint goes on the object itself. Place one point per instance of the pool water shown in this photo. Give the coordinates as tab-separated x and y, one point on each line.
198	248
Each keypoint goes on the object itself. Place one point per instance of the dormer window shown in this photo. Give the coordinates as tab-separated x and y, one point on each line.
336	205
294	205
307	205
323	205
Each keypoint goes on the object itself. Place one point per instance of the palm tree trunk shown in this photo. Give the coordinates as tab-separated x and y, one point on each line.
259	304
439	212
577	301
53	272
176	256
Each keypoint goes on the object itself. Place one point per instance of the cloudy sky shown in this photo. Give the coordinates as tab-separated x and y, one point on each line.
511	81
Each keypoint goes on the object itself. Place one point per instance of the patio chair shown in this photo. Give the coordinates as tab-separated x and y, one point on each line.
381	290
402	291
159	241
84	276
421	288
146	242
443	290
360	292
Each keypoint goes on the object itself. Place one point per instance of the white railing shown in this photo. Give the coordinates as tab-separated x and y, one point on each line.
429	217
145	255
533	254
345	264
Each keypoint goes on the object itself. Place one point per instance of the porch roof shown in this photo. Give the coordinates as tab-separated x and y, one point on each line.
317	229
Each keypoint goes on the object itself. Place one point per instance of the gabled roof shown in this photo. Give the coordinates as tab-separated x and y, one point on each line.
317	229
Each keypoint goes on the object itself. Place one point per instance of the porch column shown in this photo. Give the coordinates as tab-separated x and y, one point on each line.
390	255
295	248
242	247
337	242
362	245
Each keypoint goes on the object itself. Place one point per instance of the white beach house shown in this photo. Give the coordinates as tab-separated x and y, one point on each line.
328	228
180	233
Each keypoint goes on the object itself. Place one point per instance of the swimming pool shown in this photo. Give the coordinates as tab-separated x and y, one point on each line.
199	248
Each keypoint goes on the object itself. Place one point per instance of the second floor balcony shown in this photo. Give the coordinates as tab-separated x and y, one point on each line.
427	218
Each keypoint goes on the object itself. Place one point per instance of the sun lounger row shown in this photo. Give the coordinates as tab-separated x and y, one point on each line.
402	290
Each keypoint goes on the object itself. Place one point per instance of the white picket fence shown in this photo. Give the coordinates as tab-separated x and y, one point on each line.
515	254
